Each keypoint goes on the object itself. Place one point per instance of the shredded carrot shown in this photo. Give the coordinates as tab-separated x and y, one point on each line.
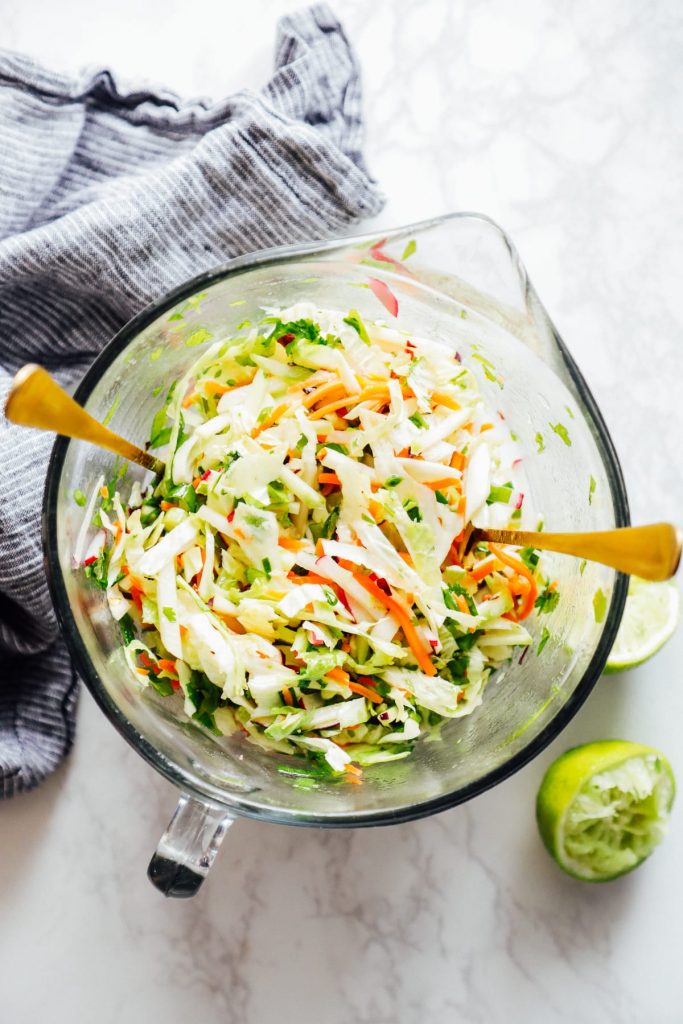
291	543
166	665
462	604
318	414
406	625
403	454
462	504
214	387
166	505
450	403
485	426
353	769
353	779
329	478
319	550
196	482
438	485
457	461
335	389
272	418
308	577
229	620
321	377
518	565
365	691
104	491
376	510
142	671
406	557
483	568
189	399
338	675
287	694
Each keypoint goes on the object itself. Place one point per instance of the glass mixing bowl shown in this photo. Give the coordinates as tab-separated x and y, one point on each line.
467	287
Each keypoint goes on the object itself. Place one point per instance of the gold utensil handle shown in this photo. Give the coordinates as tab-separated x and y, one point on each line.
36	400
652	552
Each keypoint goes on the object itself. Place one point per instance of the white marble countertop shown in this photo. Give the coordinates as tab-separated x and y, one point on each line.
562	121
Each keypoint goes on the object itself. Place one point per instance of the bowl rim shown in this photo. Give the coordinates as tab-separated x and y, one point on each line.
207	793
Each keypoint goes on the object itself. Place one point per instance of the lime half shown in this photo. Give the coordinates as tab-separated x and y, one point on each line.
603	807
650	618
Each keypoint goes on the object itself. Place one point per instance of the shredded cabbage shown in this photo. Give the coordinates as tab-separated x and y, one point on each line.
301	568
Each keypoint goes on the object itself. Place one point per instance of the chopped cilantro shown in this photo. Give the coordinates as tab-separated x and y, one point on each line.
266	567
548	599
127	629
198	337
354	320
561	432
394	481
441	497
411	247
545	636
599	605
112	409
530	558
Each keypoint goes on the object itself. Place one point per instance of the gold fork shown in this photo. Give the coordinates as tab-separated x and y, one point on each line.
652	552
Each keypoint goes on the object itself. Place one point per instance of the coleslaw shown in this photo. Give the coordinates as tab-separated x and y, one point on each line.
302	571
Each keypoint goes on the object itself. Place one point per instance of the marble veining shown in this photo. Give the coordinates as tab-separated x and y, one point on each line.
563	123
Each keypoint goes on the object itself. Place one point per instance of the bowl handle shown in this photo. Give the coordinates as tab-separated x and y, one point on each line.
188	847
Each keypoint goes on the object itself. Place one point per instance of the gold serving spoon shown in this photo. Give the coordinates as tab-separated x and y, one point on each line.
35	399
651	552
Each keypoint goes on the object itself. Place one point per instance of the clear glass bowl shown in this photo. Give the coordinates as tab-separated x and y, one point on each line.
467	287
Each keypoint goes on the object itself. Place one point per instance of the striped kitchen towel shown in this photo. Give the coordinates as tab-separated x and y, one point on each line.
109	196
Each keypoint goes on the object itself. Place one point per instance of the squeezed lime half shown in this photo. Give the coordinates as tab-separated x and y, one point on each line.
603	807
650	617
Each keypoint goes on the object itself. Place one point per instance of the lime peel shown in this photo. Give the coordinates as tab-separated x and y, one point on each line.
603	807
650	619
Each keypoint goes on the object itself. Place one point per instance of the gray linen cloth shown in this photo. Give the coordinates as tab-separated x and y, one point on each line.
110	196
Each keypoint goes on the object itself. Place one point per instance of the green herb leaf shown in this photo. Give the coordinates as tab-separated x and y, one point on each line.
591	489
169	613
80	498
582	566
354	320
198	337
599	605
530	558
418	421
410	248
499	494
127	628
393	481
548	599
545	636
112	409
561	432
540	442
